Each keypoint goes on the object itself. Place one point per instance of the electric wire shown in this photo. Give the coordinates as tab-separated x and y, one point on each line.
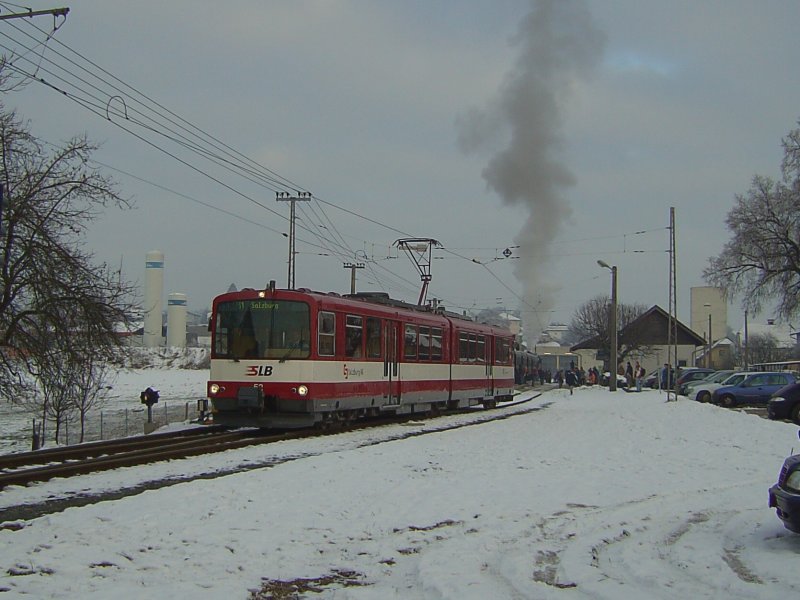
253	175
267	174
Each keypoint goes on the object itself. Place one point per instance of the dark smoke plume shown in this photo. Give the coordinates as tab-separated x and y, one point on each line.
559	45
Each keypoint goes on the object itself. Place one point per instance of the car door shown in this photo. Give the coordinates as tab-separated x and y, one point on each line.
756	389
776	382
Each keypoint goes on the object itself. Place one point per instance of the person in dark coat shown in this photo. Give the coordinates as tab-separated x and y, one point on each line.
629	374
571	379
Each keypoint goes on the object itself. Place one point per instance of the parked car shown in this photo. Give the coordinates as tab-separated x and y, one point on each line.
785	403
689	389
653	380
755	388
784	496
691	374
605	378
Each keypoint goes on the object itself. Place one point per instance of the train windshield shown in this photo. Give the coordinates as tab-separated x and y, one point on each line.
262	328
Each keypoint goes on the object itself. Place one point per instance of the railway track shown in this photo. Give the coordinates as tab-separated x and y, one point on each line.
42	465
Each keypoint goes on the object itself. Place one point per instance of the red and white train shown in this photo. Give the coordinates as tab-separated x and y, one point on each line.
296	358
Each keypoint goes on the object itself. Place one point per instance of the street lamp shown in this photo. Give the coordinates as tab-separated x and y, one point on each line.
708	353
612	325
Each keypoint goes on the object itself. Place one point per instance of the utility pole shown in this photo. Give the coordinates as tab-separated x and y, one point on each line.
612	327
353	267
287	197
672	324
746	344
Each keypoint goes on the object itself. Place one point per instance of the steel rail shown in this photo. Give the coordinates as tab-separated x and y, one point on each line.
138	451
101	447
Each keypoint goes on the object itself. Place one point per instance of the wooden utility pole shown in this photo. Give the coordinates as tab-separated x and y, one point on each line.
287	197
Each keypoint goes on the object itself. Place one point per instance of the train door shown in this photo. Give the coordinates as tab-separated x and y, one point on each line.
391	362
488	360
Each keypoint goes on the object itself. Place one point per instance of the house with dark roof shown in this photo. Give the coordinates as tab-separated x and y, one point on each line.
650	333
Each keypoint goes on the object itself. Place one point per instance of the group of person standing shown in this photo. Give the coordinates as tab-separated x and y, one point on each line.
633	374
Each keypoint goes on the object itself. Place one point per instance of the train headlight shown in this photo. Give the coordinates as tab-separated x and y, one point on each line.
213	388
302	390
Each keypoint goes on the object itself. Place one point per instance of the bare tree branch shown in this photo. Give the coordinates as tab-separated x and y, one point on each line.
57	306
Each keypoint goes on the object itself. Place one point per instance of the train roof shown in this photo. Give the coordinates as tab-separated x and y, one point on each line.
376	298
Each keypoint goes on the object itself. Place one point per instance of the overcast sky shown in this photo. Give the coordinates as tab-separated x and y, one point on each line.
566	128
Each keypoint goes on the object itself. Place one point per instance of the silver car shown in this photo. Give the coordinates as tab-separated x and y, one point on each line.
688	388
702	392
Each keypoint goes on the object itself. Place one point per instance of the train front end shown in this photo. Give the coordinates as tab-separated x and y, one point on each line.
261	360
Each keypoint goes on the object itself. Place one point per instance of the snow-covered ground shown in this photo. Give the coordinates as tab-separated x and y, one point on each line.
122	411
596	495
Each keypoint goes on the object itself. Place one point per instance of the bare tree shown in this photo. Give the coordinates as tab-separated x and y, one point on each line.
590	321
54	401
50	288
764	348
91	387
762	260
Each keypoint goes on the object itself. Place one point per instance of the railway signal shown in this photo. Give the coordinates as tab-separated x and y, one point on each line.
149	397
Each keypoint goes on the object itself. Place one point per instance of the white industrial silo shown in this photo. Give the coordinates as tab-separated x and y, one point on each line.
153	290
176	320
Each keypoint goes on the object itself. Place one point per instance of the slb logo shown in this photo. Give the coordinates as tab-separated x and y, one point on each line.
259	371
347	372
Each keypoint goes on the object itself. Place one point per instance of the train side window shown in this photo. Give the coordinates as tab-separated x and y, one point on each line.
424	343
463	347
354	336
480	349
373	337
410	342
473	340
436	343
502	351
326	333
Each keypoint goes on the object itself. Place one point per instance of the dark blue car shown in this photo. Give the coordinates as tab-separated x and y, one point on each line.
755	388
784	496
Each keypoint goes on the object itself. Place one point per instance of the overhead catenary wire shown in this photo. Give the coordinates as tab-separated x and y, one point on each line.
115	100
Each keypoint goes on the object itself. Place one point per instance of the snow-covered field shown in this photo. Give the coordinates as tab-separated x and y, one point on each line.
177	387
596	495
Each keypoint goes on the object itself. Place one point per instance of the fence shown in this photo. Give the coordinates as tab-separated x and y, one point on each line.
109	424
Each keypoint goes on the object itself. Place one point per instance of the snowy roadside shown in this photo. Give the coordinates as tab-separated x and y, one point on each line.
599	495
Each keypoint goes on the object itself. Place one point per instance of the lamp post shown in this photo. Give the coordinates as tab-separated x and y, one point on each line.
708	352
612	325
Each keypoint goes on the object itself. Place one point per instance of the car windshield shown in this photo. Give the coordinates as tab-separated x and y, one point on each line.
735	379
717	377
262	329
